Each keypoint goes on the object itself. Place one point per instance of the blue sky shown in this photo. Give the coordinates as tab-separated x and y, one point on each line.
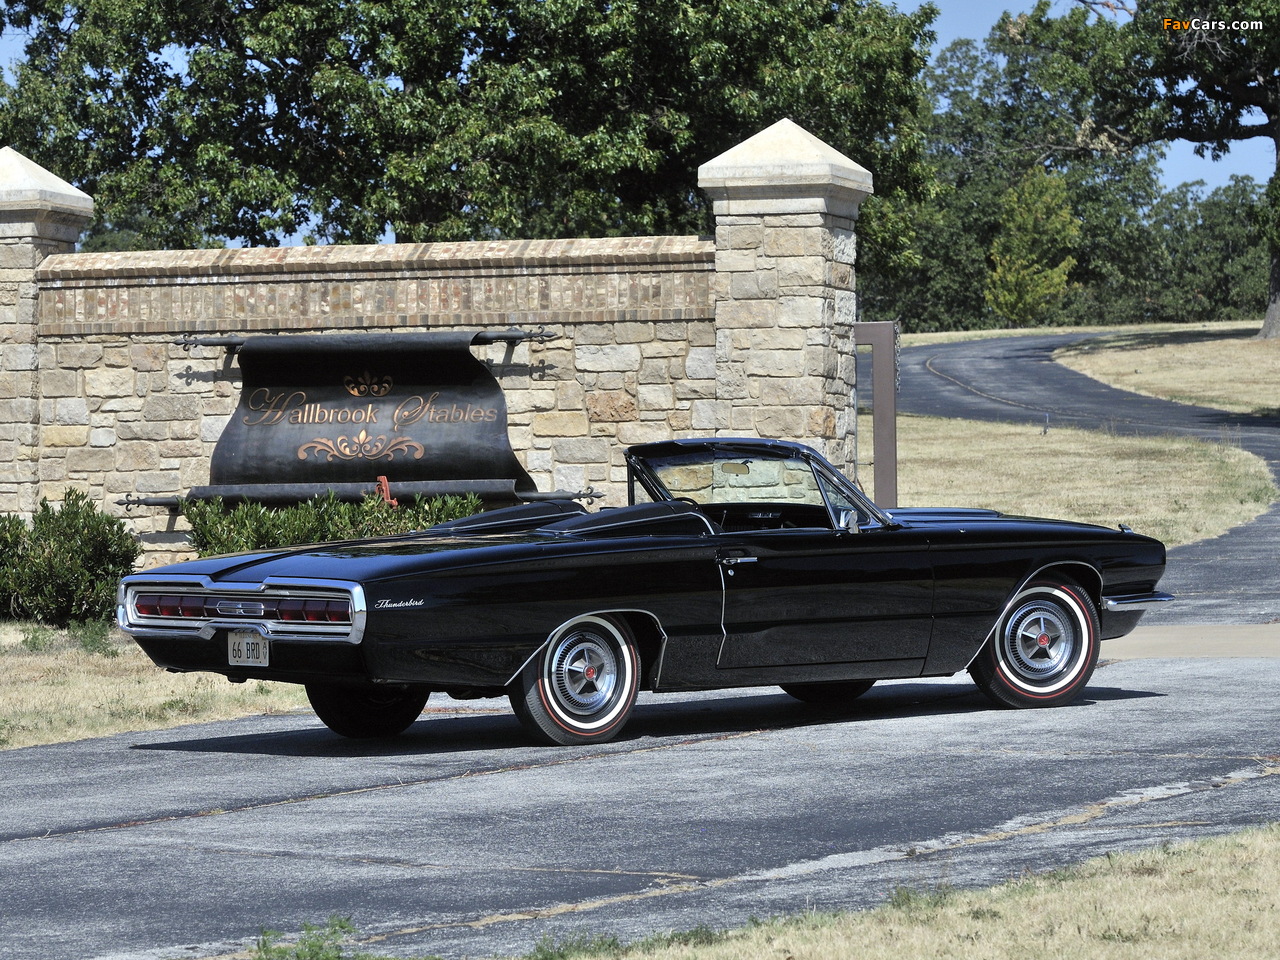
973	19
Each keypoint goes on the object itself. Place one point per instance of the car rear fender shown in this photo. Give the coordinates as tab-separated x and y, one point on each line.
645	628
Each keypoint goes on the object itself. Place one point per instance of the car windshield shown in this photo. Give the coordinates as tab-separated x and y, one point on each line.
719	477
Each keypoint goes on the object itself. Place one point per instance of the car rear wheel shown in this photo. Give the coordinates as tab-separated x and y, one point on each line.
834	693
1044	650
581	687
365	712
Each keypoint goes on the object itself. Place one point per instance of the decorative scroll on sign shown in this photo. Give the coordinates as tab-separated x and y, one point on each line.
335	412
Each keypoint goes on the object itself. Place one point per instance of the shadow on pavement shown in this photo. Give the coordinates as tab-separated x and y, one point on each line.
678	720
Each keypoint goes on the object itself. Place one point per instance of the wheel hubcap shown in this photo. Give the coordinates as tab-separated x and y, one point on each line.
584	673
1039	642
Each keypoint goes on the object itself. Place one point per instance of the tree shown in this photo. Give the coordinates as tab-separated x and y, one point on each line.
1217	268
1212	79
445	119
1037	228
999	110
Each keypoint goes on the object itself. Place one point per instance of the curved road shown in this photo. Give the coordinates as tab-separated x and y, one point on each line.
1234	578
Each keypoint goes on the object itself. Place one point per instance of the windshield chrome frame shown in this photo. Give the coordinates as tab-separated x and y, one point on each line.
639	471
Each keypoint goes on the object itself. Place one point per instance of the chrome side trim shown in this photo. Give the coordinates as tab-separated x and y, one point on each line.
1137	601
136	626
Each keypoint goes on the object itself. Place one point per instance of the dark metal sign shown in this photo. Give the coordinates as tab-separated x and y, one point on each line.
321	413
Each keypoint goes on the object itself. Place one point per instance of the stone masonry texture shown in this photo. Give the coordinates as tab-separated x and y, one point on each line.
104	388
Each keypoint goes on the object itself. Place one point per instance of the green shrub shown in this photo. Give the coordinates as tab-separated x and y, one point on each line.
71	561
217	528
13	546
93	636
316	943
37	637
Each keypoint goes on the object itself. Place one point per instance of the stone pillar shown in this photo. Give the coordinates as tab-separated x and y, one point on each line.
39	215
785	208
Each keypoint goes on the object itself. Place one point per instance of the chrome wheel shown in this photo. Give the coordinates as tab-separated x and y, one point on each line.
1044	650
584	672
581	687
1038	641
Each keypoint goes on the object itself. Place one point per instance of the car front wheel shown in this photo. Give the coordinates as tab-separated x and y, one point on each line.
365	712
581	687
1044	650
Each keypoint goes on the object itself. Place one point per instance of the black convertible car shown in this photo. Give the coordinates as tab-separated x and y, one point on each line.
739	563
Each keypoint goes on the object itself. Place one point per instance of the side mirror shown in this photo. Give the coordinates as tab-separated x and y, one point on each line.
848	520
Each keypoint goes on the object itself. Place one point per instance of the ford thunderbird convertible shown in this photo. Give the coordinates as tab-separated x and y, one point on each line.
738	563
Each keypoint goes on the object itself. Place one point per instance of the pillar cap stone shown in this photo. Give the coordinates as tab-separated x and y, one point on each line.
35	203
782	170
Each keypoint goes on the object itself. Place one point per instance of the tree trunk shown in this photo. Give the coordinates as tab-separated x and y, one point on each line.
1271	233
1271	325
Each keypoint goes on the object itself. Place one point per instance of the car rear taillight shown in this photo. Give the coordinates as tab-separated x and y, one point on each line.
313	610
285	609
147	605
329	611
169	605
291	610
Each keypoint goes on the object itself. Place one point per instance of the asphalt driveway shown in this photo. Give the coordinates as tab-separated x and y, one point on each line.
462	840
1234	578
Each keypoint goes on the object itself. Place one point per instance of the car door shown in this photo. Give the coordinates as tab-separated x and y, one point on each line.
797	597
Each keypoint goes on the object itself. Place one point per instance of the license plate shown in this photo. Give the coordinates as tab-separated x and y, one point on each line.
247	648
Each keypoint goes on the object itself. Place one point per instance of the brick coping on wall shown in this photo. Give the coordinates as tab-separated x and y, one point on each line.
396	258
486	284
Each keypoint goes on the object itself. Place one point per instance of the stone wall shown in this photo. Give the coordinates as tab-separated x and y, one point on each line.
128	408
655	337
40	215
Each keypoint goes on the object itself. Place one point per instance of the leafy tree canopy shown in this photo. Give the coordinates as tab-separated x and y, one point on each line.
1002	112
1216	267
1211	76
256	120
1088	98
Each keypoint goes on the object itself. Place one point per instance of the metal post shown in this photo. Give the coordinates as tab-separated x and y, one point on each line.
882	337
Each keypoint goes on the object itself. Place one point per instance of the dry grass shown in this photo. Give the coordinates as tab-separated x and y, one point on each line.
56	690
1218	898
1224	366
1176	489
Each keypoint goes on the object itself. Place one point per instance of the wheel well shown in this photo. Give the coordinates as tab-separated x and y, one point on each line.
648	635
1082	573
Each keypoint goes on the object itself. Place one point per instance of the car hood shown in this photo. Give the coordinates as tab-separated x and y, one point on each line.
941	514
969	518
